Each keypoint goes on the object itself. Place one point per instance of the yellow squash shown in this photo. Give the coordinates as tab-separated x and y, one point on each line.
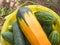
31	27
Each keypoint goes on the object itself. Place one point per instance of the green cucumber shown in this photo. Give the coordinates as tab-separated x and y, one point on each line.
19	37
8	36
47	29
45	17
54	38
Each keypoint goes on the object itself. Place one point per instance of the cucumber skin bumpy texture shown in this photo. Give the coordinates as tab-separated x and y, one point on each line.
45	17
54	38
8	36
19	37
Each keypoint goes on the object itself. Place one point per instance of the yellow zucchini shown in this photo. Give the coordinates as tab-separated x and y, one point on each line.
31	27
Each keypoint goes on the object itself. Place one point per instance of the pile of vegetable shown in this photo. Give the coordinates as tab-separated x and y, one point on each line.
31	25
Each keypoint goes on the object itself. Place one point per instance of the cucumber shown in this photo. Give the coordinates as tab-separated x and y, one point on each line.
47	29
54	38
45	17
8	36
19	38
